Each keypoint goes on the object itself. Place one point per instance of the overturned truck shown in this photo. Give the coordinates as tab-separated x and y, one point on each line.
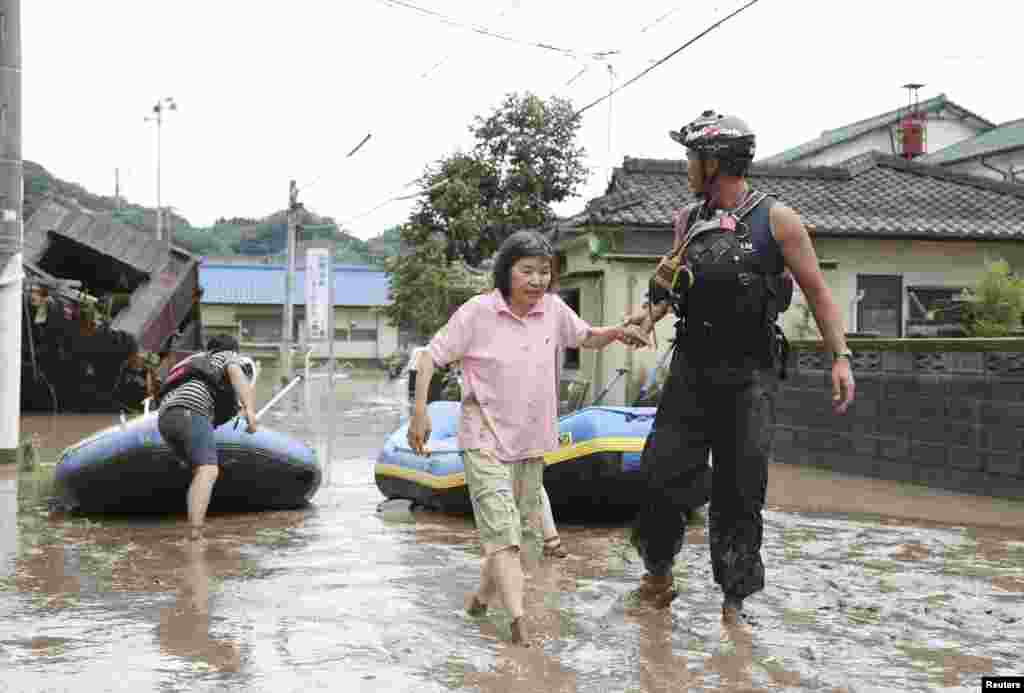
97	290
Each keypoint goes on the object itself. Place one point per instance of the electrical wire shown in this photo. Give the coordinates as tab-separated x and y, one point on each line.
484	31
396	198
625	51
593	56
660	19
353	151
671	55
423	76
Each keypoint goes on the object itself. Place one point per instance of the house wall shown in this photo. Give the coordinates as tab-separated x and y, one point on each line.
227	318
1010	165
218	319
608	288
943	131
951	263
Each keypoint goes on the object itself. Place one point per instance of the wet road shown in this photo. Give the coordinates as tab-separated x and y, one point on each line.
344	597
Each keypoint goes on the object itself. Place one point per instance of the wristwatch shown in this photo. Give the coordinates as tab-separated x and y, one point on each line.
844	354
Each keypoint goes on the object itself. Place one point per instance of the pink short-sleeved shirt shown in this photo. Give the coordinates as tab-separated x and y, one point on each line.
508	367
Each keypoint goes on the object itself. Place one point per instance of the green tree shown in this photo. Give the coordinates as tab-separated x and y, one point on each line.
524	160
995	306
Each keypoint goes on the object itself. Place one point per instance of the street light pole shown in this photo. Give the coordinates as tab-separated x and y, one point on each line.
168	104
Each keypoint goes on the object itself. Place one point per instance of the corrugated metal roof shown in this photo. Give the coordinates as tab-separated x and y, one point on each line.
1006	137
848	132
264	284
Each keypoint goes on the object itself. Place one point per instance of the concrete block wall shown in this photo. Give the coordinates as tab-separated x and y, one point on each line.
944	413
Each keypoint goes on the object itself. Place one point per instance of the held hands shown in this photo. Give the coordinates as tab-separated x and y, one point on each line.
419	433
843	387
635	328
631	336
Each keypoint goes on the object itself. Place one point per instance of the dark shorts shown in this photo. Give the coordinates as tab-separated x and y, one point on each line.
188	435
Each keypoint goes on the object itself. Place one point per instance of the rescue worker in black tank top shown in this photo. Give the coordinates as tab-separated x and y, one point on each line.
728	277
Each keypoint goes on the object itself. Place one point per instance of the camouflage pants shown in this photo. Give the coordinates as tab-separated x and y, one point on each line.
733	421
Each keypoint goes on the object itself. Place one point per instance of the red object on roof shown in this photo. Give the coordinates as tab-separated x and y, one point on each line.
913	134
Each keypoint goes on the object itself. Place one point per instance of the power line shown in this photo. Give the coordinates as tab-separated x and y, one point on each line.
667	57
660	19
594	56
396	198
621	52
427	74
484	31
353	151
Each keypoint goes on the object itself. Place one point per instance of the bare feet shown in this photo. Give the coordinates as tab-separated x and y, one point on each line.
476	607
553	548
519	636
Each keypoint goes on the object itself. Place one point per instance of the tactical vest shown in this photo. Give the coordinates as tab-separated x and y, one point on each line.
727	299
198	367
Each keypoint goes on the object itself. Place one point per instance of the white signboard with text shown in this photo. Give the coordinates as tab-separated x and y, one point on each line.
318	293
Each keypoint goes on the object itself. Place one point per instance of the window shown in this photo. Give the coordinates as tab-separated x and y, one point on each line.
261	330
363	335
933	311
880	311
572	299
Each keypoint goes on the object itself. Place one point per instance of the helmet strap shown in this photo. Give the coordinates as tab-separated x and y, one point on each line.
712	191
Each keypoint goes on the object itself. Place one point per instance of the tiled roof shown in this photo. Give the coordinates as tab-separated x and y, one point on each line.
264	284
849	132
1006	137
871	195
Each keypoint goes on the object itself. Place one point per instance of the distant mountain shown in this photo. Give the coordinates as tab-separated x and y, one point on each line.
243	236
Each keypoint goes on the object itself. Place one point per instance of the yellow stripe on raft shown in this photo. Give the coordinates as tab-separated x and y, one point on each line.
562	454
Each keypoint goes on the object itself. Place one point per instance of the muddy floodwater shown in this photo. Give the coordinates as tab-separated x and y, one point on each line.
871	586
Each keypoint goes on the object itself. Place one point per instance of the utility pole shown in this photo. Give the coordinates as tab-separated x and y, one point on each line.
117	189
11	230
289	278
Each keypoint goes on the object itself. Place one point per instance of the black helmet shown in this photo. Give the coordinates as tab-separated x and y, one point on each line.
722	137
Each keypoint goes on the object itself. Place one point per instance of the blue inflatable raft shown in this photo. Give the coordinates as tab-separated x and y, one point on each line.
128	468
595	472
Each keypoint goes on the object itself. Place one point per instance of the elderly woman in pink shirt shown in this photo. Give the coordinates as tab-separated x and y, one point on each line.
506	341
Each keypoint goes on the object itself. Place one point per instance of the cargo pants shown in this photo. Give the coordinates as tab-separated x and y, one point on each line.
730	413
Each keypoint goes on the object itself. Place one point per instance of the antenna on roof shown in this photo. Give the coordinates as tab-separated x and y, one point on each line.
912	131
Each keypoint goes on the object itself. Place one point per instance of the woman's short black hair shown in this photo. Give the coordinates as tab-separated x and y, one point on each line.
222	342
517	246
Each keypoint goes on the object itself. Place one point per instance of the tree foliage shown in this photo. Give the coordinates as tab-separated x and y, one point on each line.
995	306
235	235
524	160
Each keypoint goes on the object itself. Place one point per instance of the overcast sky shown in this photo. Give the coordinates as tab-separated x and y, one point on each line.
273	91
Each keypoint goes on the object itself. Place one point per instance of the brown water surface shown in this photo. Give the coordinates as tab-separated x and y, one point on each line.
871	586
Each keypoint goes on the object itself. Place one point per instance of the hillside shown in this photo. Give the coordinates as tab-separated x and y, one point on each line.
228	236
